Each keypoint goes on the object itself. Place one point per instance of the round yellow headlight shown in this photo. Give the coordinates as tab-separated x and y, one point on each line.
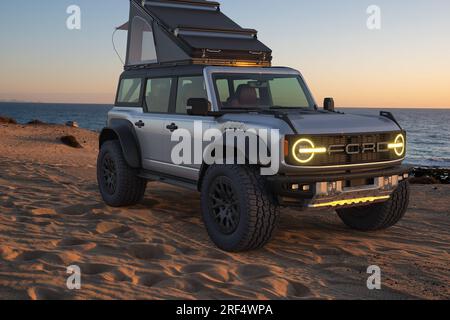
303	150
399	145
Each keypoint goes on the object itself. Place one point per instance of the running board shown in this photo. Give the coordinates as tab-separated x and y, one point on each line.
164	178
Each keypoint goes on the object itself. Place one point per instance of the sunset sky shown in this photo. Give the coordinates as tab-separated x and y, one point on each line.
405	64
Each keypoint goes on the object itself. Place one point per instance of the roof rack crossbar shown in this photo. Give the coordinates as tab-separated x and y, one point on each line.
184	4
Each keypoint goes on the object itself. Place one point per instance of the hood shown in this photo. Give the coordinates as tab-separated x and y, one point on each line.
337	123
317	122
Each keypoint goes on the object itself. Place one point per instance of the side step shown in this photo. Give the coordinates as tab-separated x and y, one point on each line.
168	179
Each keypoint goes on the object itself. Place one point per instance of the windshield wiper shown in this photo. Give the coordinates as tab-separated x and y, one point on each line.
279	114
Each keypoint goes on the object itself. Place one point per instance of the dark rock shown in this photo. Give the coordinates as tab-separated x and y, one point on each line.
431	175
71	141
424	180
6	120
36	122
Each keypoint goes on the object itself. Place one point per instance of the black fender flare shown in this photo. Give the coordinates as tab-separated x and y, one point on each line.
123	130
204	167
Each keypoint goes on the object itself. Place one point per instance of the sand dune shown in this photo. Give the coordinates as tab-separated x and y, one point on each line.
51	216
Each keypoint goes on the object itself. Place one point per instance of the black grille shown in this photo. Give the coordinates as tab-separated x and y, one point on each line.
342	158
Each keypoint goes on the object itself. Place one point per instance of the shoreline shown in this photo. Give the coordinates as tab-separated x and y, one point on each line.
421	173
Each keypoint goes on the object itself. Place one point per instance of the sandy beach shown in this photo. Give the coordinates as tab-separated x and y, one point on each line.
51	217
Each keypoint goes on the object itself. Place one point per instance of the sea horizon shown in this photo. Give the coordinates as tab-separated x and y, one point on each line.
112	104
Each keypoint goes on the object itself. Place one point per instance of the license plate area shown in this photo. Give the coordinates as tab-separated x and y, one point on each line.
359	183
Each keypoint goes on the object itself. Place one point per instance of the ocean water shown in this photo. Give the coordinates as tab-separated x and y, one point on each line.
428	129
88	116
428	134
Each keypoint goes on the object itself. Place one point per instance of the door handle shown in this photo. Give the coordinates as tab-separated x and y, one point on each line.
140	124
172	127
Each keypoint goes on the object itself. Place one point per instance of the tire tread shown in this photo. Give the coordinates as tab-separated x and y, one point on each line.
132	188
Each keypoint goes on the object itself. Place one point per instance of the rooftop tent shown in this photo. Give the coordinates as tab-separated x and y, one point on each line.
189	32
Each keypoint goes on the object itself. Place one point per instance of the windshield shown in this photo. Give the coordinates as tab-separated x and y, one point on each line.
261	91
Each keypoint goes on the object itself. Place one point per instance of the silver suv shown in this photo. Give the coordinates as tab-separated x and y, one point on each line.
199	106
319	158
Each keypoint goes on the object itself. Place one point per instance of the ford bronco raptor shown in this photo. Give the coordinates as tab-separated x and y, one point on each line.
188	62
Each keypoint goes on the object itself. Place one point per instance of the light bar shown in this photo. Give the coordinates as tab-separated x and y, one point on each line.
395	145
231	63
349	202
313	150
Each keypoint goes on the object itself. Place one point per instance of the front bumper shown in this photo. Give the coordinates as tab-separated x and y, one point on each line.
338	190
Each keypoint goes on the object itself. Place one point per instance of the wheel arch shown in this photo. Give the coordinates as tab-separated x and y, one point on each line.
204	167
123	131
243	151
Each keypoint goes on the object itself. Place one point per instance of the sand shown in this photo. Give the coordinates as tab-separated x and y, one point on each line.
51	217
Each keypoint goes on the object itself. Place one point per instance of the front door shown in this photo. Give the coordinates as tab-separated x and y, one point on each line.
187	87
150	125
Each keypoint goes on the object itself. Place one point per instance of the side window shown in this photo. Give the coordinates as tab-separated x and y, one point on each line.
157	95
129	91
142	43
189	87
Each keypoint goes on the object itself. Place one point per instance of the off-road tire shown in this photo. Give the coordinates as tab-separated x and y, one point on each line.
129	188
258	212
378	216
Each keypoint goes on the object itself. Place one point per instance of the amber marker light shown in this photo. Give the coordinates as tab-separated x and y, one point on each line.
286	148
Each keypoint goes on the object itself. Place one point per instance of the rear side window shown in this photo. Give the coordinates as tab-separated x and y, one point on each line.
189	87
157	95
129	91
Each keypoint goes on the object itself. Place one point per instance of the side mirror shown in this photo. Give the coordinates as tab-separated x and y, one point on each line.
198	107
328	104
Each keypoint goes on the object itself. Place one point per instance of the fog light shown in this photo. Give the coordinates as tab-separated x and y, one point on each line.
295	187
406	176
306	188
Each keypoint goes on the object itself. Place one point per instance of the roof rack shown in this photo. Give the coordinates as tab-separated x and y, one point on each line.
189	32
